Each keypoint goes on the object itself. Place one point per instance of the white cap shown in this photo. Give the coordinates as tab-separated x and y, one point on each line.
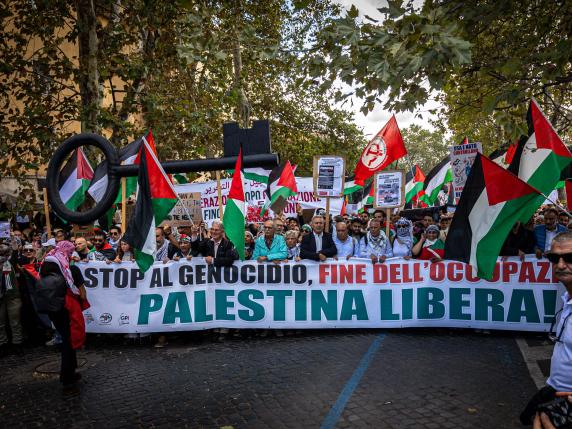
50	242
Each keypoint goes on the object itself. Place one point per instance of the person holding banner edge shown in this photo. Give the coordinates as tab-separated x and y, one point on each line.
560	381
318	245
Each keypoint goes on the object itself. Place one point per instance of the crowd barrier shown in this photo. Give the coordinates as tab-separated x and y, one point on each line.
191	295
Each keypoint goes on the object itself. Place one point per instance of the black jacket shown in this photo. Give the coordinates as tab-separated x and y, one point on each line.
225	256
308	247
523	240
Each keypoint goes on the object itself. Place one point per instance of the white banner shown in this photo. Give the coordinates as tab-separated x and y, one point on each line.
254	194
190	295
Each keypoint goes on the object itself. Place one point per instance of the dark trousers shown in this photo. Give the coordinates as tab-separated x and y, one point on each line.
546	394
61	321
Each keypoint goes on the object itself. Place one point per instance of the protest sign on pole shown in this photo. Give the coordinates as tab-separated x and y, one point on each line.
187	211
462	158
329	179
389	192
219	193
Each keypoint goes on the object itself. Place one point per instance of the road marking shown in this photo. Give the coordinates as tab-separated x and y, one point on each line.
333	416
531	356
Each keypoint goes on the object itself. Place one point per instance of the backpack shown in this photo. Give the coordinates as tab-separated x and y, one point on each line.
50	293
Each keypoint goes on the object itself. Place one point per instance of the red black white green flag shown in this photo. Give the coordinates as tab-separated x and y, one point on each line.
281	186
235	209
414	180
387	146
155	200
492	201
74	180
539	158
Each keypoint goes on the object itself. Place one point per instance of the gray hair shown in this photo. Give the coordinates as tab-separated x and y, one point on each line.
291	234
219	223
562	237
320	216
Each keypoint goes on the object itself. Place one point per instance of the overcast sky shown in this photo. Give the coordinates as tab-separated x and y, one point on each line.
376	119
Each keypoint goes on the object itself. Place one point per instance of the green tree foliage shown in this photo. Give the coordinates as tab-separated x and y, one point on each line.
485	59
168	66
424	147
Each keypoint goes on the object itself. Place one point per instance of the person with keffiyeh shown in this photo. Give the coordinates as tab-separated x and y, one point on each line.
403	241
430	247
10	302
374	244
69	320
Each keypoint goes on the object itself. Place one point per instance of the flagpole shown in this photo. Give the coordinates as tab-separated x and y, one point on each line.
327	214
123	204
47	214
556	204
219	192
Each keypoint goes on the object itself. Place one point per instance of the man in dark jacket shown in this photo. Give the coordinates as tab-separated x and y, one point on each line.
318	245
103	250
520	242
217	250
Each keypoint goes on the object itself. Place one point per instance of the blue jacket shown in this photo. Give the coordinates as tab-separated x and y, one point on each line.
540	235
278	249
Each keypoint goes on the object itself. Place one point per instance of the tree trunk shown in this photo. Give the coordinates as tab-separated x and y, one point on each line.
88	66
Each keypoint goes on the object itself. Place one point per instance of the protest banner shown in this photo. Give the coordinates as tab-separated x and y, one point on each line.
254	196
192	295
462	158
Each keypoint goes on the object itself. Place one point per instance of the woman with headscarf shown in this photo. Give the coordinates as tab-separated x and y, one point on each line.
430	247
403	242
69	320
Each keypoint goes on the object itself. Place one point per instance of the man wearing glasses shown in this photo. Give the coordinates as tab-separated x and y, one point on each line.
560	380
114	237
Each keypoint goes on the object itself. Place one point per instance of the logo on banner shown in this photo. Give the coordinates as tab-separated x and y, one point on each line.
88	317
105	319
375	153
124	319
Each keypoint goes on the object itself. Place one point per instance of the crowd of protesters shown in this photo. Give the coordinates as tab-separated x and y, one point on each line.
29	254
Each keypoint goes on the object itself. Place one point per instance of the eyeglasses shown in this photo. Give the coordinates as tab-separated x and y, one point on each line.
114	233
554	258
552	333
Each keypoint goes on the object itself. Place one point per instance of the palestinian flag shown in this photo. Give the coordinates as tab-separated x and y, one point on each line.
413	183
281	186
492	201
540	158
504	157
367	196
127	156
235	209
74	180
350	186
155	200
440	175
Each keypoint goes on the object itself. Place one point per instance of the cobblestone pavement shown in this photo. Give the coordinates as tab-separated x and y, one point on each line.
415	379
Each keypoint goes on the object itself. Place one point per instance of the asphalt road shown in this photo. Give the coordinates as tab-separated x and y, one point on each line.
437	378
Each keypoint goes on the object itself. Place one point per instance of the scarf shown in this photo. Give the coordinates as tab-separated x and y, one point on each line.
404	232
429	243
61	255
376	244
293	252
163	251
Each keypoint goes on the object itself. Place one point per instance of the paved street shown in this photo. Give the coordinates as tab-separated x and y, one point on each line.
367	378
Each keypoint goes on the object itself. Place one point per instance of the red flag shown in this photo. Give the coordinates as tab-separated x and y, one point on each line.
386	147
568	186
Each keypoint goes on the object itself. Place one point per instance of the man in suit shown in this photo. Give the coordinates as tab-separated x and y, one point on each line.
318	245
217	250
543	234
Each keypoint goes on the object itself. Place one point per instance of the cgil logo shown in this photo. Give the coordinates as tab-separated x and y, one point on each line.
105	318
124	319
